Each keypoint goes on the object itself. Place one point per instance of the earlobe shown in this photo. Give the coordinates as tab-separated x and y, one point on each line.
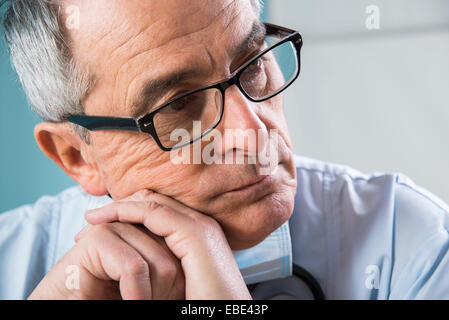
62	145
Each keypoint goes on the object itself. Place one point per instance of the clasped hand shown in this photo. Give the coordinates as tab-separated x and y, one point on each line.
147	246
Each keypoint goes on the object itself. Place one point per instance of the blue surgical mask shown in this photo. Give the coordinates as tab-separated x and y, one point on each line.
268	260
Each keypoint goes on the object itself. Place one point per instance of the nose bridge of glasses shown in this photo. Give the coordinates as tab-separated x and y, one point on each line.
233	80
227	83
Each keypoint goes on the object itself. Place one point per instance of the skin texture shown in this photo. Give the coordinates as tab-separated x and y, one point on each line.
125	42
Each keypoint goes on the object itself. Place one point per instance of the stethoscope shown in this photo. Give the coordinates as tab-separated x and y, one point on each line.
301	285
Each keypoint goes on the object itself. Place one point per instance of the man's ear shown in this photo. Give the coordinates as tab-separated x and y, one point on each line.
65	147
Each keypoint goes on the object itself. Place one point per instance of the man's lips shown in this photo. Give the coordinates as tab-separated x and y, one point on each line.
249	185
243	182
255	189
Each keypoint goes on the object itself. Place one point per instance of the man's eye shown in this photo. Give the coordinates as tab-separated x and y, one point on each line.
254	71
179	104
256	65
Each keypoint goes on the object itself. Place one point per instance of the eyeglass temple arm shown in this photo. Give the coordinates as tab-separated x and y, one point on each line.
273	29
105	123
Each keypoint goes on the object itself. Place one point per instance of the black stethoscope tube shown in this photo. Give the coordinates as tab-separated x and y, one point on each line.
310	281
302	274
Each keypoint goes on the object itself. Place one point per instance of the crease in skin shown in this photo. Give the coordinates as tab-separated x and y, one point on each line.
129	162
92	44
132	38
111	154
215	19
211	60
232	20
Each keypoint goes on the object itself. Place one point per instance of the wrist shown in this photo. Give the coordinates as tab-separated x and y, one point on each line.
213	273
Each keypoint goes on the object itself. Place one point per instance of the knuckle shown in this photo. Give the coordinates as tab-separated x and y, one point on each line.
173	278
168	271
136	266
146	193
209	229
100	229
207	223
142	195
151	204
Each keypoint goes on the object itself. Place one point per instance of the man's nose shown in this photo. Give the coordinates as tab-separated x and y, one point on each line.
241	127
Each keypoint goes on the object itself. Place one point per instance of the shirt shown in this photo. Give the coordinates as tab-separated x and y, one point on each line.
362	236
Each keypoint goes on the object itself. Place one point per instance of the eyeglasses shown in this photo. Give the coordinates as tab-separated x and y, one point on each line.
261	78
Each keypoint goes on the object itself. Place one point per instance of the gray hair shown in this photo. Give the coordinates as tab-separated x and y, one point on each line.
54	84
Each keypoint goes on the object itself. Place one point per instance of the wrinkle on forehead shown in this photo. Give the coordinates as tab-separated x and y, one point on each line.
116	27
159	32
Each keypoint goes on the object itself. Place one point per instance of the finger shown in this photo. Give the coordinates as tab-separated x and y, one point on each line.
141	195
160	220
167	280
151	199
179	230
113	258
147	195
150	196
161	241
170	203
155	237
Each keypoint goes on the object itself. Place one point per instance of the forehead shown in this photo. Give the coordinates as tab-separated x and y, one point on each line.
112	30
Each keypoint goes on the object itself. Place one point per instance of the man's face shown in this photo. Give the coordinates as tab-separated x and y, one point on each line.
125	44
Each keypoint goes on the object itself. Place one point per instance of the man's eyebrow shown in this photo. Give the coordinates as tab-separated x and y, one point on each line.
256	36
154	88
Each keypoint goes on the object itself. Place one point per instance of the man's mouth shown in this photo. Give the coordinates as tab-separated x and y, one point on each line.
250	185
255	189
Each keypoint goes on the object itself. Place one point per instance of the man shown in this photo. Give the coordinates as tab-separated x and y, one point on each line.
150	221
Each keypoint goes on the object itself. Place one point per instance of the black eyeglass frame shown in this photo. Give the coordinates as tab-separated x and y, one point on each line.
145	123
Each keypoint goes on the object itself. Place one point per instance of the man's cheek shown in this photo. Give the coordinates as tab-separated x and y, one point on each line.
125	170
172	180
177	181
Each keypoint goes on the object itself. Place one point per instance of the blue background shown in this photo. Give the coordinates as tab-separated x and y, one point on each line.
25	172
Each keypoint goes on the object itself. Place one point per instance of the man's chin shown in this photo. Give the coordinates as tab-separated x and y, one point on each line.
251	225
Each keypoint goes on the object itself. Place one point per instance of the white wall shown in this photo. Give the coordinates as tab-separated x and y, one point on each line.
377	100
